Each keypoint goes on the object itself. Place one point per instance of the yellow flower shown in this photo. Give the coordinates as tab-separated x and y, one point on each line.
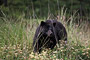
57	59
83	53
55	52
86	52
31	56
16	54
36	57
88	48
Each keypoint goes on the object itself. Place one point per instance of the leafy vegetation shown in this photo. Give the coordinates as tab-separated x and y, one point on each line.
20	19
16	42
43	8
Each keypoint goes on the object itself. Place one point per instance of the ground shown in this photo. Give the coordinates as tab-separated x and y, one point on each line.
16	42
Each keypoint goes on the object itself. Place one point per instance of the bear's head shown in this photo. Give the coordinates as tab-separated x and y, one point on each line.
47	28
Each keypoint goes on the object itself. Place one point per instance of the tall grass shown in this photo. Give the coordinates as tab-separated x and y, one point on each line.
16	41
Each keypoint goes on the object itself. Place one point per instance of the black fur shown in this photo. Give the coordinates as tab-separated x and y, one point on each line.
48	34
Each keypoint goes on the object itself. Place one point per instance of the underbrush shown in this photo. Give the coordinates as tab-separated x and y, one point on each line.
16	42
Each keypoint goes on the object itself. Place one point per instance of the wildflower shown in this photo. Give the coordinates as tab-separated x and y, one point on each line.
57	59
88	48
80	33
14	47
36	57
88	56
32	53
44	53
55	52
58	48
24	57
61	50
1	47
62	47
20	51
84	49
16	54
72	47
86	52
76	50
54	56
31	56
41	57
83	53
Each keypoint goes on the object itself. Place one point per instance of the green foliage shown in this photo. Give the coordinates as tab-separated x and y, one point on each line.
17	29
40	8
16	43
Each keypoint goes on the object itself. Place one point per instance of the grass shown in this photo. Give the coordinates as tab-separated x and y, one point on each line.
16	42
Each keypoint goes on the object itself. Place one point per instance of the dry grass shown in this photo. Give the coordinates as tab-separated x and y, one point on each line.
16	43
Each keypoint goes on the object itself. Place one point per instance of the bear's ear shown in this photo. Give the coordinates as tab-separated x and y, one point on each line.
42	23
54	24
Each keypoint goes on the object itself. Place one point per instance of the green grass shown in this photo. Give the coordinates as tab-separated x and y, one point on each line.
16	41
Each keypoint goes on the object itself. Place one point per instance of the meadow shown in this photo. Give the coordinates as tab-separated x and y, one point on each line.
16	40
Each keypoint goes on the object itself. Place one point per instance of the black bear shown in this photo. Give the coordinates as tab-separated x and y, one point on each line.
48	34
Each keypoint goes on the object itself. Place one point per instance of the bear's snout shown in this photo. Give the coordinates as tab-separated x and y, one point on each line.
49	33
